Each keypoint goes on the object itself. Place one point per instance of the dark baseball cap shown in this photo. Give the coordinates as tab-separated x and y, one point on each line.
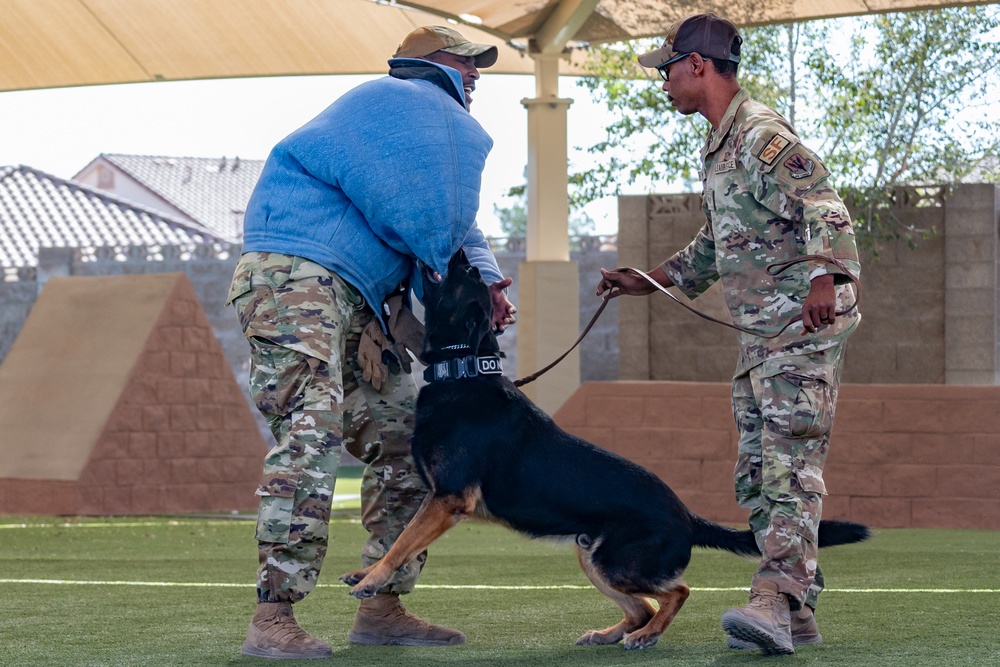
707	34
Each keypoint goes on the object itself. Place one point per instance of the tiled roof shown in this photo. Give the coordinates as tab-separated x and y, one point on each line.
213	191
41	210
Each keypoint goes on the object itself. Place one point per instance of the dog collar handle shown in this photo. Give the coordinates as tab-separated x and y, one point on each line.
462	367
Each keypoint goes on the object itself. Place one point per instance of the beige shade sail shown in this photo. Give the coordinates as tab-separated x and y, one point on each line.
54	43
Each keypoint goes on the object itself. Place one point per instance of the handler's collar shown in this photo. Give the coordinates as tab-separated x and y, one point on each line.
463	367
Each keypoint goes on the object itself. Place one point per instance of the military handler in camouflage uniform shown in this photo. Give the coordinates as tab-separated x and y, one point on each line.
388	174
767	199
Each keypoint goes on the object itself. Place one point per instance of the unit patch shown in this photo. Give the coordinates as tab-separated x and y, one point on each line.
799	166
773	148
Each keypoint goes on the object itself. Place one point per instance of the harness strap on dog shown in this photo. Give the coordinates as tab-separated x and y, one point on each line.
463	367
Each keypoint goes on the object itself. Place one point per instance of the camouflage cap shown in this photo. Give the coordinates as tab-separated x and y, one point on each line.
428	39
707	34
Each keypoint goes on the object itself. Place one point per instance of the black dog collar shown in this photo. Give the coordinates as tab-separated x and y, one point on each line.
463	367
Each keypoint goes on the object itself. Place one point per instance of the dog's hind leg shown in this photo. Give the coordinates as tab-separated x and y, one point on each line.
670	603
436	515
638	612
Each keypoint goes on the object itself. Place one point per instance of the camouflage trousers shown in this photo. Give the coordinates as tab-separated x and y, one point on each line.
784	413
304	325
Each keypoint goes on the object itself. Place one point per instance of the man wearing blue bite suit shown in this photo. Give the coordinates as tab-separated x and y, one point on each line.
345	206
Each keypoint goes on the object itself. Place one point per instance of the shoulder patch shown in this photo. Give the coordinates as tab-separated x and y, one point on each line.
800	169
772	149
799	165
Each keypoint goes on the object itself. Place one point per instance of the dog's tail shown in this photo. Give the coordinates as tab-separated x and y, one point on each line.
713	536
742	542
833	532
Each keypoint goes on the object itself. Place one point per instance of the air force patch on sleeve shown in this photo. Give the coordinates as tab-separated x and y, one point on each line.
773	148
800	166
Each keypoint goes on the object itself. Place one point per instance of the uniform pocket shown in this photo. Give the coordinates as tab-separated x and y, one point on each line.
812	412
811	480
277	500
241	283
284	380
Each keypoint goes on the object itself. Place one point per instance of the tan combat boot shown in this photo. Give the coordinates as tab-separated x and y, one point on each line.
273	633
804	631
383	620
765	622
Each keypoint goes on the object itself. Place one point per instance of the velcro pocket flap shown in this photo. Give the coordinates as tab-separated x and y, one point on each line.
811	480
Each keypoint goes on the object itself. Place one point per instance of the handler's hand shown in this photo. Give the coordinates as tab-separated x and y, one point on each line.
503	309
820	307
619	282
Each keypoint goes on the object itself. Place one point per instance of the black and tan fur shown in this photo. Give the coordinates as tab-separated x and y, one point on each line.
486	451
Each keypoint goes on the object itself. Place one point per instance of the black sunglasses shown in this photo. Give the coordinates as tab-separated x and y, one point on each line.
664	69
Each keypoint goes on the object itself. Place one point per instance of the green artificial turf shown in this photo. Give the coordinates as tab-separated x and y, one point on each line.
908	597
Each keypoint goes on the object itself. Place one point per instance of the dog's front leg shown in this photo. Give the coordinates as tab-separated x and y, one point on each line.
670	603
436	515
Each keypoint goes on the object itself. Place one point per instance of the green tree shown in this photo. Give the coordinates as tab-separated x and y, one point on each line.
513	219
908	106
911	106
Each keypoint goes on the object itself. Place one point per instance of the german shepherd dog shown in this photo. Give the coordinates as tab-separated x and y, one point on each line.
486	451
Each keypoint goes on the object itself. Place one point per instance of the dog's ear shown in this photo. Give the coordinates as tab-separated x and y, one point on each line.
458	260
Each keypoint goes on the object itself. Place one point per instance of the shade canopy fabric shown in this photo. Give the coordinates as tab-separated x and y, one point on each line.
55	43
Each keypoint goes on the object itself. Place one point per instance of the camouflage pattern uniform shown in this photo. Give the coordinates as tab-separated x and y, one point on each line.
768	198
304	324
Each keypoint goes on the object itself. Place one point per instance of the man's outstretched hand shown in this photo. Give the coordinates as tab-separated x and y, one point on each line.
503	309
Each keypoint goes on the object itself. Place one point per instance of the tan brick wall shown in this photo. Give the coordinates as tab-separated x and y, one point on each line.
901	456
179	438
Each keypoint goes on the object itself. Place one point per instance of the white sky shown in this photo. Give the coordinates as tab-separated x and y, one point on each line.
61	130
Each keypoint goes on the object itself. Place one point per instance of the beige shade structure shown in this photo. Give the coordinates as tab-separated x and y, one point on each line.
53	43
50	43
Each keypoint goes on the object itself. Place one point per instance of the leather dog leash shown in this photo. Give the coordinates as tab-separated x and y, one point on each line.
534	376
772	269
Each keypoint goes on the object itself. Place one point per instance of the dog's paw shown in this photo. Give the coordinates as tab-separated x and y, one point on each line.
353	578
362	590
597	638
641	640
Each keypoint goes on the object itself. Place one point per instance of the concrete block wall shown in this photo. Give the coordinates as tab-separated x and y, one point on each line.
970	287
930	311
901	456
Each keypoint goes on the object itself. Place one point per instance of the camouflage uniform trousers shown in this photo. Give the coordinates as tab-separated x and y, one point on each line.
784	412
304	324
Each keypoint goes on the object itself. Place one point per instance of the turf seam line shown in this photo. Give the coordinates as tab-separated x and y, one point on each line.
196	584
